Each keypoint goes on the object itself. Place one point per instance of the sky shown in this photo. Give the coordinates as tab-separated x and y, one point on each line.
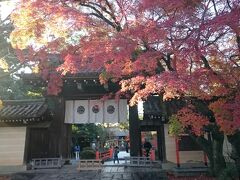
6	8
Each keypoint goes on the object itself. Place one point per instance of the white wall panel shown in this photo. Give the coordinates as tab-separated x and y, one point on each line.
12	145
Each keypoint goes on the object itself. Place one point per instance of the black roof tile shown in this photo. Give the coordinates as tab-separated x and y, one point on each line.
22	109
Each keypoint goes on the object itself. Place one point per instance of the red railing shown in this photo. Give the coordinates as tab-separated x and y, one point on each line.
177	152
104	155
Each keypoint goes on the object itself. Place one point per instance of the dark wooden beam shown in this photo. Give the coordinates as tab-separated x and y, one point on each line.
63	129
161	143
134	131
56	130
26	157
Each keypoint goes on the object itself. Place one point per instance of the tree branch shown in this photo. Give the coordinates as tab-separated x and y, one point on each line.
12	71
205	62
238	43
215	8
167	60
228	3
99	15
216	39
103	9
104	19
111	10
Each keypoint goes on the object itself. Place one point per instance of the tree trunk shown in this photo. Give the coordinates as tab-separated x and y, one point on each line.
218	158
214	149
206	145
235	155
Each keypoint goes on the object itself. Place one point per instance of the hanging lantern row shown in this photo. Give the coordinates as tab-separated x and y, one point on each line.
80	83
38	82
155	117
86	81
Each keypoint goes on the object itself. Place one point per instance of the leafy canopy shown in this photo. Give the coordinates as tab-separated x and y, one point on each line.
175	48
11	86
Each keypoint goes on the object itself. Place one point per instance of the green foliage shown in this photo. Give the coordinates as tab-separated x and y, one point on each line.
88	154
84	134
175	127
124	125
34	94
14	88
11	86
103	149
87	149
229	173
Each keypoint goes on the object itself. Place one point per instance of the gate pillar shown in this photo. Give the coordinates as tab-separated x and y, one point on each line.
134	131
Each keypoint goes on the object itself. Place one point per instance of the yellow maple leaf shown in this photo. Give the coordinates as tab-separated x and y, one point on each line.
35	69
4	65
1	104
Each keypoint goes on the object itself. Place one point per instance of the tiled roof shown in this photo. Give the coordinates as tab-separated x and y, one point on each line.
22	110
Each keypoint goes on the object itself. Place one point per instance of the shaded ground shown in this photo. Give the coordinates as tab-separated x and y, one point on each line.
191	178
109	172
69	172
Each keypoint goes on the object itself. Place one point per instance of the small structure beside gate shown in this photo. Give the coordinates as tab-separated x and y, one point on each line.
25	130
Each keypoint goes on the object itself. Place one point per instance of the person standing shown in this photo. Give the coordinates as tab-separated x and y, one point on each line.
77	151
126	146
147	146
115	154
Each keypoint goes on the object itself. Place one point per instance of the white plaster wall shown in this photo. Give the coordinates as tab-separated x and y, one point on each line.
12	144
185	156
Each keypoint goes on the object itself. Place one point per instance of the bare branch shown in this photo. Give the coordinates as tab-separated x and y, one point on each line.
205	62
104	19
228	3
191	65
99	15
111	9
103	9
216	39
167	60
215	8
238	43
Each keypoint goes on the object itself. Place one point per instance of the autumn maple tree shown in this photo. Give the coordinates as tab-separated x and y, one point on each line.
174	48
11	86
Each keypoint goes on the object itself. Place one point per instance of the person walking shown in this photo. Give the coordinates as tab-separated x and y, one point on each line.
115	154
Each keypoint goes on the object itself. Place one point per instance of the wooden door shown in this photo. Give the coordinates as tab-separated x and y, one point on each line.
39	143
